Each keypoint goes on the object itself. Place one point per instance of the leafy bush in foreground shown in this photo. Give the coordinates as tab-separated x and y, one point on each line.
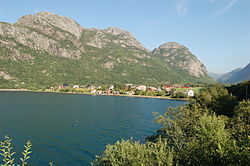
212	129
125	153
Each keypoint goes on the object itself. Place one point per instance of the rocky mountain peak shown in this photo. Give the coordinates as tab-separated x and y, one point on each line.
126	38
51	20
170	45
117	31
178	55
170	48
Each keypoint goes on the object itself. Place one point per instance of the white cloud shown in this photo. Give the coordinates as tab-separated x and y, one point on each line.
182	7
223	10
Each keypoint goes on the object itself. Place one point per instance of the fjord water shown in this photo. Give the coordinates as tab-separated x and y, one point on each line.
70	129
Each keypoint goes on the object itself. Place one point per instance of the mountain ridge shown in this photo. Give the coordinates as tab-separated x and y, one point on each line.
37	44
237	75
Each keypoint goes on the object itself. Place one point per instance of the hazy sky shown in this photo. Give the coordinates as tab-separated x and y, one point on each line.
216	31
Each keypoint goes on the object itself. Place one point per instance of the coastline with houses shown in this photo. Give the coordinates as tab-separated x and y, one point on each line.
175	91
165	91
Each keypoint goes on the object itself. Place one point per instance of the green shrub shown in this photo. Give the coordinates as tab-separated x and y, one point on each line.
213	129
126	153
216	99
211	143
179	95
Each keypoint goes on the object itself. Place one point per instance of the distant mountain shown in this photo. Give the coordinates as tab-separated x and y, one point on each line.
215	76
237	75
46	49
227	76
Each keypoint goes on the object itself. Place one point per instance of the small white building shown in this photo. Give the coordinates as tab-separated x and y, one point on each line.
98	87
76	86
190	93
141	87
159	89
93	91
130	93
111	87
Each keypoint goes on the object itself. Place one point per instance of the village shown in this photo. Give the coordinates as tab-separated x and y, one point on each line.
170	91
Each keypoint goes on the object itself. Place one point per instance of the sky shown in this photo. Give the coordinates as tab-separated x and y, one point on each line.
216	31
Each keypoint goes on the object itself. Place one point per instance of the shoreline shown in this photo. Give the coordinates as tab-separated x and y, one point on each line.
140	96
14	90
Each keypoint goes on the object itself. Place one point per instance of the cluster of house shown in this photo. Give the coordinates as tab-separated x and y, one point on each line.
187	89
129	89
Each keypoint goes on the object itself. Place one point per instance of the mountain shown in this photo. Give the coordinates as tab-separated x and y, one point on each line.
227	76
46	49
179	56
237	75
215	76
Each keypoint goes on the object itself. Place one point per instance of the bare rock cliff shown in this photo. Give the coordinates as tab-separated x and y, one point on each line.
35	40
46	19
180	56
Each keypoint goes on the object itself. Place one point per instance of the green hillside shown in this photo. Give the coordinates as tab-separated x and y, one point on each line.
35	54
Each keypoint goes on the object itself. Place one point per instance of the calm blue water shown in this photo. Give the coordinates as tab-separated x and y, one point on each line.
71	129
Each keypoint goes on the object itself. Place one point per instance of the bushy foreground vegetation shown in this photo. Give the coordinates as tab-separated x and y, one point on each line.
136	153
213	129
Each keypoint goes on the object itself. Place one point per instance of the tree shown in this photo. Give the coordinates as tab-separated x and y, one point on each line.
241	90
118	86
126	153
179	95
161	93
213	129
216	99
211	143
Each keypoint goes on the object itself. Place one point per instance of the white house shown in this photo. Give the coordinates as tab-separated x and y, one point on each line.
98	87
111	87
130	93
76	86
93	91
141	87
190	93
